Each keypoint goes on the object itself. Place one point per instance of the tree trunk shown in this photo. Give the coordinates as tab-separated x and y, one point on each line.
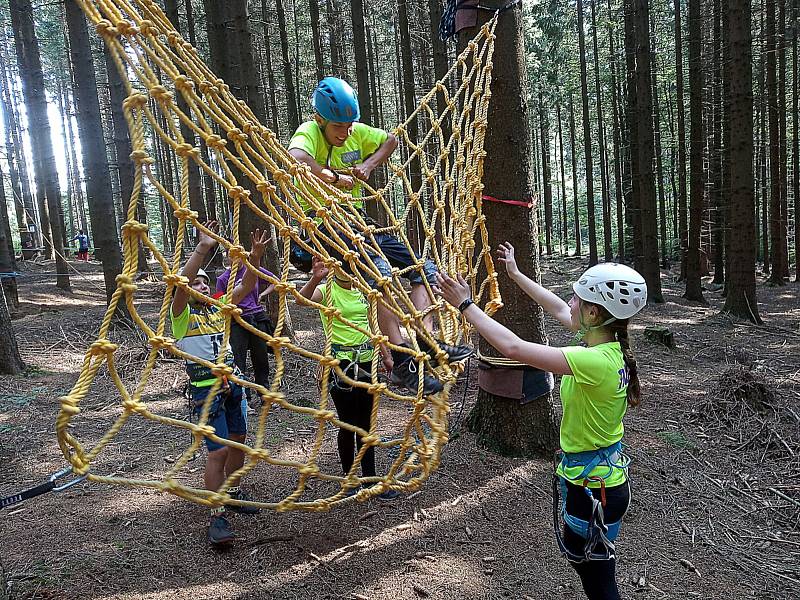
273	101
564	223
796	143
587	142
776	202
662	201
715	152
8	263
694	290
360	57
682	207
316	36
93	149
501	424
30	66
601	142
10	360
741	297
291	106
616	125
547	187
335	39
647	264
575	207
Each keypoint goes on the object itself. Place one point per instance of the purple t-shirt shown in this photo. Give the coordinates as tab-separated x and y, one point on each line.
249	303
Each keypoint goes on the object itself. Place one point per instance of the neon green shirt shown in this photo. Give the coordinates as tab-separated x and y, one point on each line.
353	306
594	400
362	143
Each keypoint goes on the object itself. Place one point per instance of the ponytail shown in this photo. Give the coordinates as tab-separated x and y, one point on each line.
620	330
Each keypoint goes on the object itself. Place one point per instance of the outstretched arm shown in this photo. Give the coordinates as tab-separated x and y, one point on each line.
259	241
327	175
509	344
205	244
549	302
310	290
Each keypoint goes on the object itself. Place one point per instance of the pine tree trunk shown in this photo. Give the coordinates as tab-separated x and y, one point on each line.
796	143
601	143
546	176
763	136
29	61
501	424
776	202
73	179
680	110
741	297
715	158
784	162
8	262
316	35
288	79
361	63
564	221
273	101
694	289
616	118
93	149
587	142
10	360
575	207
648	263
662	201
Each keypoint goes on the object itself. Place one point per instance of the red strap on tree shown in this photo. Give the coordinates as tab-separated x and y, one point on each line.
528	204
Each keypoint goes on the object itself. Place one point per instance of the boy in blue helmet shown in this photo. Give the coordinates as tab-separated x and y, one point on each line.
334	140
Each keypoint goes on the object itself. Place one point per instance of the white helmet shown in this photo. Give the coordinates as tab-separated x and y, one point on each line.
619	289
202	273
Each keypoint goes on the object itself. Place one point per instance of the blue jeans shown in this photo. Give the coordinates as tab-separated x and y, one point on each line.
228	412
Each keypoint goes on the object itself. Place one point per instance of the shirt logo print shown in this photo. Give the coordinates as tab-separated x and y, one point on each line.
351	157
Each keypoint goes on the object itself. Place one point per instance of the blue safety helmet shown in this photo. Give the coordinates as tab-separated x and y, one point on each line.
335	100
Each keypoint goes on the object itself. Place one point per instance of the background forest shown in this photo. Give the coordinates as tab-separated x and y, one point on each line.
654	177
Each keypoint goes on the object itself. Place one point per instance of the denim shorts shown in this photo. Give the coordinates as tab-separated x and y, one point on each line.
228	412
398	255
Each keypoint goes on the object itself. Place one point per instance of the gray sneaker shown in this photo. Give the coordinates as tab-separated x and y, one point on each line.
406	374
219	531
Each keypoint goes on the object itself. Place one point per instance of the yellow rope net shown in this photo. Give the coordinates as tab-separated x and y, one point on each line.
156	64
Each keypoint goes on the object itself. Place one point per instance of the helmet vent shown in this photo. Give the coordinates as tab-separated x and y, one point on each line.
610	285
623	301
624	291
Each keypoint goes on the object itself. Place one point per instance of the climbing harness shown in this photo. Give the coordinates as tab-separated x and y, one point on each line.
598	534
51	485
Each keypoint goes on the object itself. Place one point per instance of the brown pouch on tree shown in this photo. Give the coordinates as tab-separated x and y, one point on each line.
523	384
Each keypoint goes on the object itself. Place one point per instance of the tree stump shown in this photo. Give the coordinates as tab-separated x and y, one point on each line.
660	335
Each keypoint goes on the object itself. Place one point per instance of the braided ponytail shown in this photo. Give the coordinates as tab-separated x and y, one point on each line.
620	330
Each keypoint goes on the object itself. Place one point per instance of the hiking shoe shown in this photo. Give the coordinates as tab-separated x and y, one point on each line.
455	353
352	491
406	374
243	510
389	495
219	531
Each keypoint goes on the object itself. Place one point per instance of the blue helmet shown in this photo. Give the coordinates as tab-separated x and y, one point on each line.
299	257
335	100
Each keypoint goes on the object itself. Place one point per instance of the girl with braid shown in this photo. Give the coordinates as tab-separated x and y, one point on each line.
591	491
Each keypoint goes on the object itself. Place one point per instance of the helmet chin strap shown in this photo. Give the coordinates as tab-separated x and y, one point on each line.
581	333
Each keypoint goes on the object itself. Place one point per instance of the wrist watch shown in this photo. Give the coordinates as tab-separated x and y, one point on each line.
465	304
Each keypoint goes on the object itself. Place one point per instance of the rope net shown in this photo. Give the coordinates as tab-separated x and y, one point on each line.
442	198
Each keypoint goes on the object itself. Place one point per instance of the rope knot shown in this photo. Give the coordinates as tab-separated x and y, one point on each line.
237	252
131	405
147	27
237	136
161	342
135	101
183	213
230	310
370	440
377	388
215	142
105	29
141	157
309	470
222	370
126	283
282	177
237	192
126	27
175	279
133	226
187	151
102	346
183	83
161	94
174	38
328	361
266	188
69	405
207	88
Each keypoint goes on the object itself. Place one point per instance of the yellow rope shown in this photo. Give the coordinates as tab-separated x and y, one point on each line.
156	63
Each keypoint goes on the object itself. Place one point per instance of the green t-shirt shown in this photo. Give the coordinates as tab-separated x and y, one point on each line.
362	143
199	331
353	306
594	400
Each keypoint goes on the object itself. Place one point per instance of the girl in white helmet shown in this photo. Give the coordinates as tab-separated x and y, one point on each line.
600	380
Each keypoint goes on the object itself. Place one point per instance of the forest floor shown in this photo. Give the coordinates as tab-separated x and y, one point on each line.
715	447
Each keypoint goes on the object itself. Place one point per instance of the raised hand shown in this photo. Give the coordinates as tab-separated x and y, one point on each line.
505	254
318	269
259	241
455	291
205	242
